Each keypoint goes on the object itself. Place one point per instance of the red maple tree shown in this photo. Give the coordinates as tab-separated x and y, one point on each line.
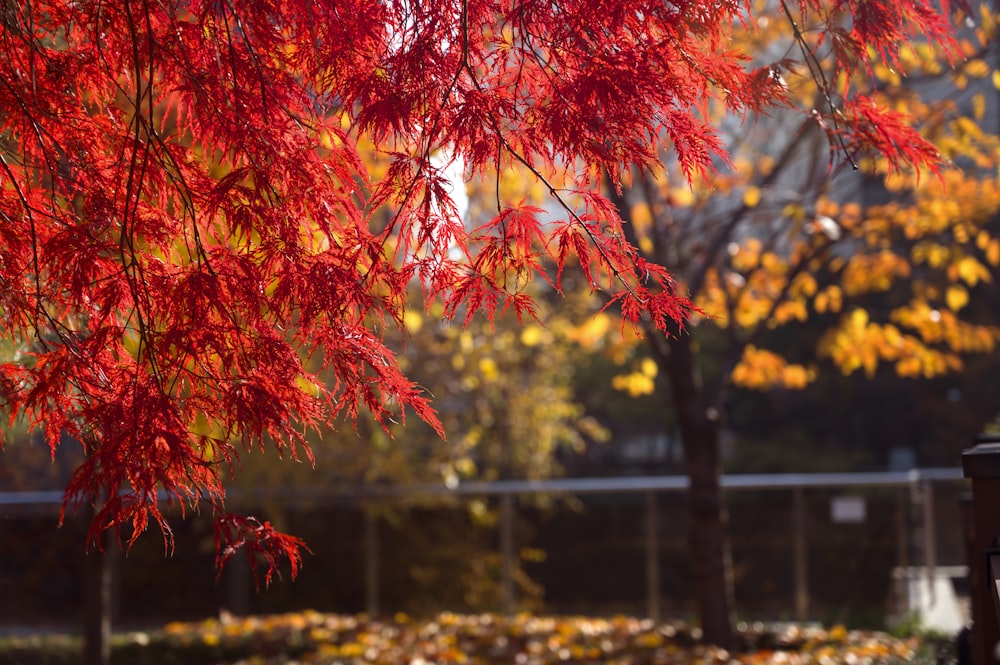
196	260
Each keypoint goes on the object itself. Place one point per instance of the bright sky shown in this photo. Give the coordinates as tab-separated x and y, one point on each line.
455	173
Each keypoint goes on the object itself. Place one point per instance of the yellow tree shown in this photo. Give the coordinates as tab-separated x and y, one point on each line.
785	233
502	384
504	393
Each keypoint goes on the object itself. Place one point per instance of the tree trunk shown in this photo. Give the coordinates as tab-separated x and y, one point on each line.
100	562
708	545
698	418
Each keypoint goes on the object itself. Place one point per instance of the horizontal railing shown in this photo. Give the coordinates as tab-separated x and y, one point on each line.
592	485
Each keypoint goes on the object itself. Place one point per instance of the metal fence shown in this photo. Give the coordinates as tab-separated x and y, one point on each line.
803	544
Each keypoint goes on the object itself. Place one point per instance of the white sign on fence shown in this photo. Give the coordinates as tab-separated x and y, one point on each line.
848	510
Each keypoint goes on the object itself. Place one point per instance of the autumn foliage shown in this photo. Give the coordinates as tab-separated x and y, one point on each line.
449	638
197	259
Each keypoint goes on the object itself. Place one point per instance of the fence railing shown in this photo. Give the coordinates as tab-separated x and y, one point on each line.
918	483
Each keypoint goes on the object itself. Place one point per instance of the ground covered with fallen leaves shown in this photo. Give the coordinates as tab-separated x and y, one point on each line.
484	639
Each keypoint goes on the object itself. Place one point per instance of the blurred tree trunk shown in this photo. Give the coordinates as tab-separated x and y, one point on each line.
698	412
239	582
708	545
98	597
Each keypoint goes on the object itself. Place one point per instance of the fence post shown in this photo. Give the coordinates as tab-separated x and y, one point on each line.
100	569
930	541
507	597
801	568
371	547
982	465
238	578
652	557
904	601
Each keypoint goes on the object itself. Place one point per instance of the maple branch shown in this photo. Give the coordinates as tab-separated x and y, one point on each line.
819	76
176	173
659	342
725	233
427	136
664	236
133	193
39	133
618	275
34	248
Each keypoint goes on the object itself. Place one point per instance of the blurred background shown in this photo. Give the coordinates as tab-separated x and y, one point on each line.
850	327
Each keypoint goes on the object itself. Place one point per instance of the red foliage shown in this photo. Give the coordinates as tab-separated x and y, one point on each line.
262	544
191	239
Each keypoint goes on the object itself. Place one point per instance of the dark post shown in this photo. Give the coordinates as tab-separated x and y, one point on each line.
238	577
930	541
982	465
652	557
99	569
801	554
507	564
371	562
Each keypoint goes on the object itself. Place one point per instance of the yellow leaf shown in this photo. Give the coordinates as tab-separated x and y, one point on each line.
201	426
982	240
328	140
648	367
978	105
635	384
649	640
996	79
870	362
751	197
887	74
532	335
971	271
977	68
682	196
794	211
773	264
641	384
821	302
805	284
352	650
131	343
465	342
993	252
796	377
957	297
790	310
308	386
908	367
413	321
969	127
590	333
830	300
937	255
489	369
641	215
